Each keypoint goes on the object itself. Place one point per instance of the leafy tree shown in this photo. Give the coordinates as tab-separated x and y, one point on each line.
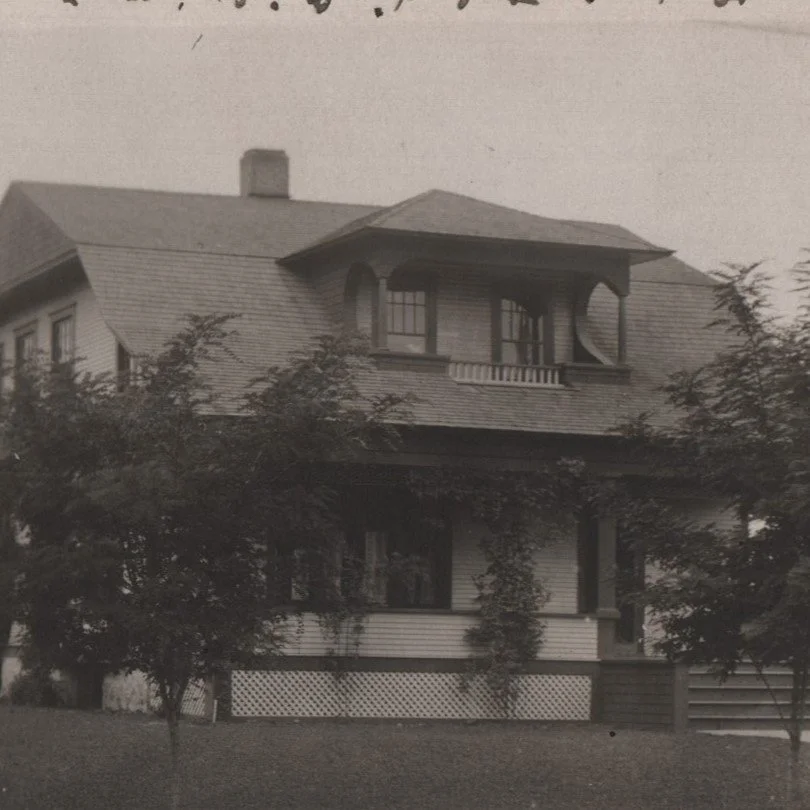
741	433
158	514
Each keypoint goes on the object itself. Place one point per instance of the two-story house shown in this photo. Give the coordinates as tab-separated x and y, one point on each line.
523	338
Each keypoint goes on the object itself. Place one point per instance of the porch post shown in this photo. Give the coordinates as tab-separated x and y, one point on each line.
622	333
606	613
381	321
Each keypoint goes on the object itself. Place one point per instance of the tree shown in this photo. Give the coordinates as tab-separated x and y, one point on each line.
156	513
741	433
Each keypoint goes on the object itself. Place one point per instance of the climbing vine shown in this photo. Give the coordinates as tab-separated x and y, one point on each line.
522	512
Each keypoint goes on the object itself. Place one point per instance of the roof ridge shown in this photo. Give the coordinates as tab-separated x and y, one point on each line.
21	184
396	208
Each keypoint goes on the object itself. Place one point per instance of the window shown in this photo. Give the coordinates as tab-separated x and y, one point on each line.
25	346
520	341
123	367
404	551
62	340
392	551
407	324
411	315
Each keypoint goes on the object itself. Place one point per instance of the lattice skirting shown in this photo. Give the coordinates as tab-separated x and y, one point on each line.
425	695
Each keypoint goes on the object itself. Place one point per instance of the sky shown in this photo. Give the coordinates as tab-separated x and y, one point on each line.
686	123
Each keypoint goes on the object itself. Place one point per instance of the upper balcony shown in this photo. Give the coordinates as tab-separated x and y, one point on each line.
477	373
488	295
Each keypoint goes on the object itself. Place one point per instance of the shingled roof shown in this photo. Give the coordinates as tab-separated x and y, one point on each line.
151	257
442	213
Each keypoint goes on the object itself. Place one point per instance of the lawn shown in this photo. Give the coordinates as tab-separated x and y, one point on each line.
70	759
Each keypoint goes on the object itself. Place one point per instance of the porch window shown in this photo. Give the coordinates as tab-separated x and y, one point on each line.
392	553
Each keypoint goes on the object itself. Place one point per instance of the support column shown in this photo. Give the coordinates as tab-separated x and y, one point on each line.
381	321
607	614
622	335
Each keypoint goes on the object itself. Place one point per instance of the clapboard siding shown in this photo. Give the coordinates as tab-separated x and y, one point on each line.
439	635
556	566
95	342
463	317
562	309
468	561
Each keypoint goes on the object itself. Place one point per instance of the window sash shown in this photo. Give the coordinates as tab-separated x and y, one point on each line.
62	340
397	560
25	347
520	334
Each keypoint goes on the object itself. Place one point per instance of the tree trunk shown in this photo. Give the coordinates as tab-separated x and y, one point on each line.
175	777
172	696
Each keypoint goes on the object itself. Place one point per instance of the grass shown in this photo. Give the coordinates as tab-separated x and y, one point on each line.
70	760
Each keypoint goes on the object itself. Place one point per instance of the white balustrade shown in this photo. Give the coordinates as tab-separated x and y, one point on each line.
503	374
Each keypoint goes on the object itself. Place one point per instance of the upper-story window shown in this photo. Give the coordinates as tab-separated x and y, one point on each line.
521	334
411	316
407	324
519	330
63	339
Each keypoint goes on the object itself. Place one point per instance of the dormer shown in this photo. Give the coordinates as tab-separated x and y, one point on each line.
490	295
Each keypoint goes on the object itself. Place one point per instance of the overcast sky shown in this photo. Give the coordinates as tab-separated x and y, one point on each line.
683	122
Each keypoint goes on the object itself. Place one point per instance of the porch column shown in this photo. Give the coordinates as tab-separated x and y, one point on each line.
622	330
381	321
607	614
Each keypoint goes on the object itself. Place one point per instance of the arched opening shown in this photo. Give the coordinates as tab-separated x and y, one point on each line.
599	326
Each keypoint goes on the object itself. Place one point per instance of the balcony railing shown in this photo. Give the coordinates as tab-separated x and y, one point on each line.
502	374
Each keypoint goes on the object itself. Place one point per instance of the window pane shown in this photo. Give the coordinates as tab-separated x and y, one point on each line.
407	321
62	340
521	334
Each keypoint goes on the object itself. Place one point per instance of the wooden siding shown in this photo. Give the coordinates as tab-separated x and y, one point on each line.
440	634
420	634
557	568
95	342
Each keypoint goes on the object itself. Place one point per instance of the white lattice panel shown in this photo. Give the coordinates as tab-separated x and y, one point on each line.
426	695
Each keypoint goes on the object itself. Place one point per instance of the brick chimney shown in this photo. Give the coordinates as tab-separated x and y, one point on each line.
264	173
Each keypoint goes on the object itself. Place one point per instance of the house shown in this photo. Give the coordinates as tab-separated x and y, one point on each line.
524	339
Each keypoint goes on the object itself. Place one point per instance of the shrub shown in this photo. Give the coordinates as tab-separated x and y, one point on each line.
37	688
